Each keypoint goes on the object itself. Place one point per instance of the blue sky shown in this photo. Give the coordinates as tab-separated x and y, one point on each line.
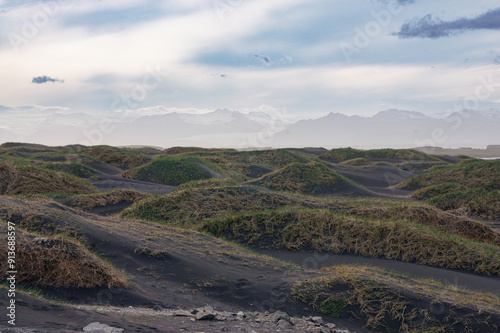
310	57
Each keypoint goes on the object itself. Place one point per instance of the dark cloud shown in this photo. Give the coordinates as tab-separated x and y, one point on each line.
428	27
266	61
45	79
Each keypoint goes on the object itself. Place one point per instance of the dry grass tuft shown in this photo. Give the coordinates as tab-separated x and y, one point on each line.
30	179
397	303
89	201
58	262
321	230
190	206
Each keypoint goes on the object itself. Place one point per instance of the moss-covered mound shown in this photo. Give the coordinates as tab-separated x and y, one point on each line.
73	168
310	178
486	206
439	189
172	170
118	157
31	179
473	174
344	154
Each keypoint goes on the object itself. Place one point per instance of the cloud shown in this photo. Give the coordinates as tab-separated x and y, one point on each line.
45	79
266	61
428	27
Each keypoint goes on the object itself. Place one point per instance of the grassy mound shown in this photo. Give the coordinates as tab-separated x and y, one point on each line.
183	150
456	199
311	178
238	164
118	157
395	303
473	174
321	230
439	189
189	207
344	154
73	168
30	179
89	201
487	206
359	162
58	262
174	170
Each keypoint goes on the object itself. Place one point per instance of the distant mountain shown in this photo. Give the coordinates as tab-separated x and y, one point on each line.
394	128
225	128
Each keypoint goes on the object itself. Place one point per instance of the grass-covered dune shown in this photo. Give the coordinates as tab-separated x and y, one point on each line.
239	164
58	261
89	201
173	170
118	157
397	303
476	173
311	178
322	230
486	206
470	185
73	168
190	206
344	154
31	179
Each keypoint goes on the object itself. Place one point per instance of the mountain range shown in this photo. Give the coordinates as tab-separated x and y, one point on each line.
224	128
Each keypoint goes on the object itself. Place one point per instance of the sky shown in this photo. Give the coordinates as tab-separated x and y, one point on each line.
308	57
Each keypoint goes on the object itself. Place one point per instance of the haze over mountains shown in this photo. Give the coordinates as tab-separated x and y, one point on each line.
224	128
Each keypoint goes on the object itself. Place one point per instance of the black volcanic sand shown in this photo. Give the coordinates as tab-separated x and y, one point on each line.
170	268
458	278
377	179
109	179
33	312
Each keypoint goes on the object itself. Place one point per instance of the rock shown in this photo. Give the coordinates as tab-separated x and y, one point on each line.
282	323
317	320
241	314
331	326
278	315
101	328
157	308
206	313
182	313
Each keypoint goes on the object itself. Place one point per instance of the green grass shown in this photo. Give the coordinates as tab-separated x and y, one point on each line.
173	170
73	168
344	154
311	178
118	157
324	231
456	199
436	190
473	174
189	207
31	179
236	164
486	206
